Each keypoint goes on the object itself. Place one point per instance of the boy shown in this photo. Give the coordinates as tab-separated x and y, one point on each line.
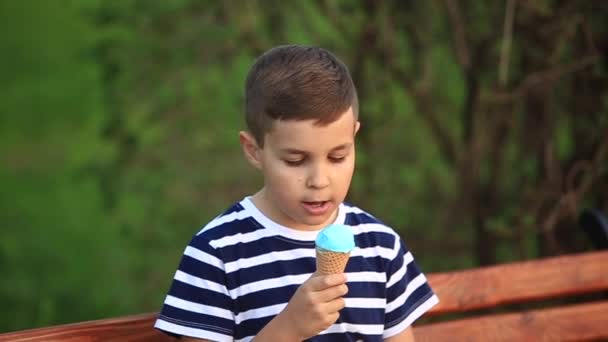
249	273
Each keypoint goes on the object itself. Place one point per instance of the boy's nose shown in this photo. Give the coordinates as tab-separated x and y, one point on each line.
317	178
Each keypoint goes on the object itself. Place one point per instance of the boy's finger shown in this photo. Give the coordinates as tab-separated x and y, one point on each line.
319	283
335	305
332	293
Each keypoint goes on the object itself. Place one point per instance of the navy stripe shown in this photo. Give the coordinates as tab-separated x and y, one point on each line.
266	297
195	320
234	209
341	337
201	243
200	269
363	264
365	289
375	239
251	327
198	295
362	316
354	219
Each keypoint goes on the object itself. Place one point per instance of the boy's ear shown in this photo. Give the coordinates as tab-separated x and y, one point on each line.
250	148
357	126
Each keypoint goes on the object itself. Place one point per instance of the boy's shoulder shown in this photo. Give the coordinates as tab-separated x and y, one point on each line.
355	215
234	220
364	222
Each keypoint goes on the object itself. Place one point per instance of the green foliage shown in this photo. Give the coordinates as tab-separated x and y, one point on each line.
54	251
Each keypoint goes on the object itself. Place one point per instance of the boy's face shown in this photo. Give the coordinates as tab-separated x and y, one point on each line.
307	170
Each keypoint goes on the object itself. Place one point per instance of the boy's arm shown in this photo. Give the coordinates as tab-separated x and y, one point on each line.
406	335
408	295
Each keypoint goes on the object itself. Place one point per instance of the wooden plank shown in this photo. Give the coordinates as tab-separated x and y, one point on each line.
520	282
582	322
128	329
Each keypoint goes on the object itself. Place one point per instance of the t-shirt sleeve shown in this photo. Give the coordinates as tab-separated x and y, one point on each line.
408	294
198	303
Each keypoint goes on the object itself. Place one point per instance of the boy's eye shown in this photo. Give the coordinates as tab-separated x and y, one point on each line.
297	162
337	159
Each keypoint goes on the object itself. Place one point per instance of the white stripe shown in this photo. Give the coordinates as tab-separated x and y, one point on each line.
241	238
269	258
396	248
266	311
193	332
371	252
365	303
372	228
354	210
267	284
407	259
198	308
411	287
366	329
419	311
220	220
376	277
200	282
204	257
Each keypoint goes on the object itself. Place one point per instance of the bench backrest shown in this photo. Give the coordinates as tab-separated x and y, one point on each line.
460	291
523	282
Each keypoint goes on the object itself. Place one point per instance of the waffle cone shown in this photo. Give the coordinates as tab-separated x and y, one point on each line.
329	262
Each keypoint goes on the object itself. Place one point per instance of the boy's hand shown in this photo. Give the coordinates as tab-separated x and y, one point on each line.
315	305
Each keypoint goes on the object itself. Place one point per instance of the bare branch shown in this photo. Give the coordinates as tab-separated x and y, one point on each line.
587	170
506	43
568	203
589	38
460	41
541	77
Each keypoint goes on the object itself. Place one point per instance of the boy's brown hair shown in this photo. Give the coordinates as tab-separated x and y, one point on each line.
295	82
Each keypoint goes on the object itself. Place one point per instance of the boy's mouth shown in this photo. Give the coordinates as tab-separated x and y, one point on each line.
316	207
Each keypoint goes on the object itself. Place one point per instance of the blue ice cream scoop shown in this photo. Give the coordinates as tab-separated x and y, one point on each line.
336	238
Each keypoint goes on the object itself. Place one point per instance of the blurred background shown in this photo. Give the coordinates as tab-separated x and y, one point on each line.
484	133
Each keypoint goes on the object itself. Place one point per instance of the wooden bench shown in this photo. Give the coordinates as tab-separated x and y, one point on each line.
473	292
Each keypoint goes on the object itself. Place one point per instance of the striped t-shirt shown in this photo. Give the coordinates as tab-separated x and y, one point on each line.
242	268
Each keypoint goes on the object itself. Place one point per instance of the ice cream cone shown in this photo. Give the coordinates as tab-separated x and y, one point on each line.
329	262
333	246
